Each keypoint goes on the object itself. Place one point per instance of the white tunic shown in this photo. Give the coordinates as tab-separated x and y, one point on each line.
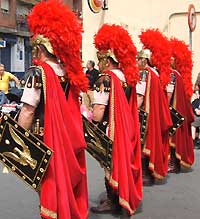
101	97
32	95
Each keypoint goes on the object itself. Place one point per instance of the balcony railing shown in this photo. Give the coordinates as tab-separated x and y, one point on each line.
30	2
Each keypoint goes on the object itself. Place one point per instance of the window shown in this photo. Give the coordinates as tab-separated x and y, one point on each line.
5	6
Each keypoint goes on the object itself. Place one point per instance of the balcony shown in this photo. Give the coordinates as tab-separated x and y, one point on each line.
29	2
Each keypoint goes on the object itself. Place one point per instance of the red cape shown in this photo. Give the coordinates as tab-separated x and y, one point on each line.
64	188
126	174
182	140
159	122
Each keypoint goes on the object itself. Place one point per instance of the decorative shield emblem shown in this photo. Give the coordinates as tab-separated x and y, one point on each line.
99	145
177	120
22	152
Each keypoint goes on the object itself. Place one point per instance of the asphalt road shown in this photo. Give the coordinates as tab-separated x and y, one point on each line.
179	198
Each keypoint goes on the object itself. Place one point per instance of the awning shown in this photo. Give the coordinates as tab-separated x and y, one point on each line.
11	40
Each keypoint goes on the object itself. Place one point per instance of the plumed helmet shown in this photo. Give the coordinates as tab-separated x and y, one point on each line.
114	41
183	63
53	25
158	44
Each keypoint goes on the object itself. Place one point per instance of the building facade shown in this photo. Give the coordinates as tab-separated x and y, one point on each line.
171	17
16	53
15	49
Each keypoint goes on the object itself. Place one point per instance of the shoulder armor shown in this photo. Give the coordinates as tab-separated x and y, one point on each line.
172	78
102	83
32	78
143	75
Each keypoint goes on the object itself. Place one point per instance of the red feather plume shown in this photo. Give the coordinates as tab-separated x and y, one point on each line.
55	21
159	46
183	62
117	39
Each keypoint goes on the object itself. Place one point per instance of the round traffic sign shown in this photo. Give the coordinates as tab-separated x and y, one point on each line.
192	19
95	5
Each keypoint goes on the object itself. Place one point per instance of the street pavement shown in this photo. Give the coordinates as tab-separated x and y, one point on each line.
178	198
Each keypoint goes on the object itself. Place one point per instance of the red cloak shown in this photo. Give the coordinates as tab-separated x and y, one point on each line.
182	140
159	121
64	189
126	173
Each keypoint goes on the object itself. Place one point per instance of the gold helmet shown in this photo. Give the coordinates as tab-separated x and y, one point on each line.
144	53
106	54
40	40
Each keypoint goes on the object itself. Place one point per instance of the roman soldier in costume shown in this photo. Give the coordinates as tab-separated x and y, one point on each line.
111	113
179	93
51	108
153	100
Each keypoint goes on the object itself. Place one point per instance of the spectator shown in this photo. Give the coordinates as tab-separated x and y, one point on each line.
196	86
3	98
5	77
196	109
91	73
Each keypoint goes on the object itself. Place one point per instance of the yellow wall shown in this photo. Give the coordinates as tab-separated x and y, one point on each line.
169	16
